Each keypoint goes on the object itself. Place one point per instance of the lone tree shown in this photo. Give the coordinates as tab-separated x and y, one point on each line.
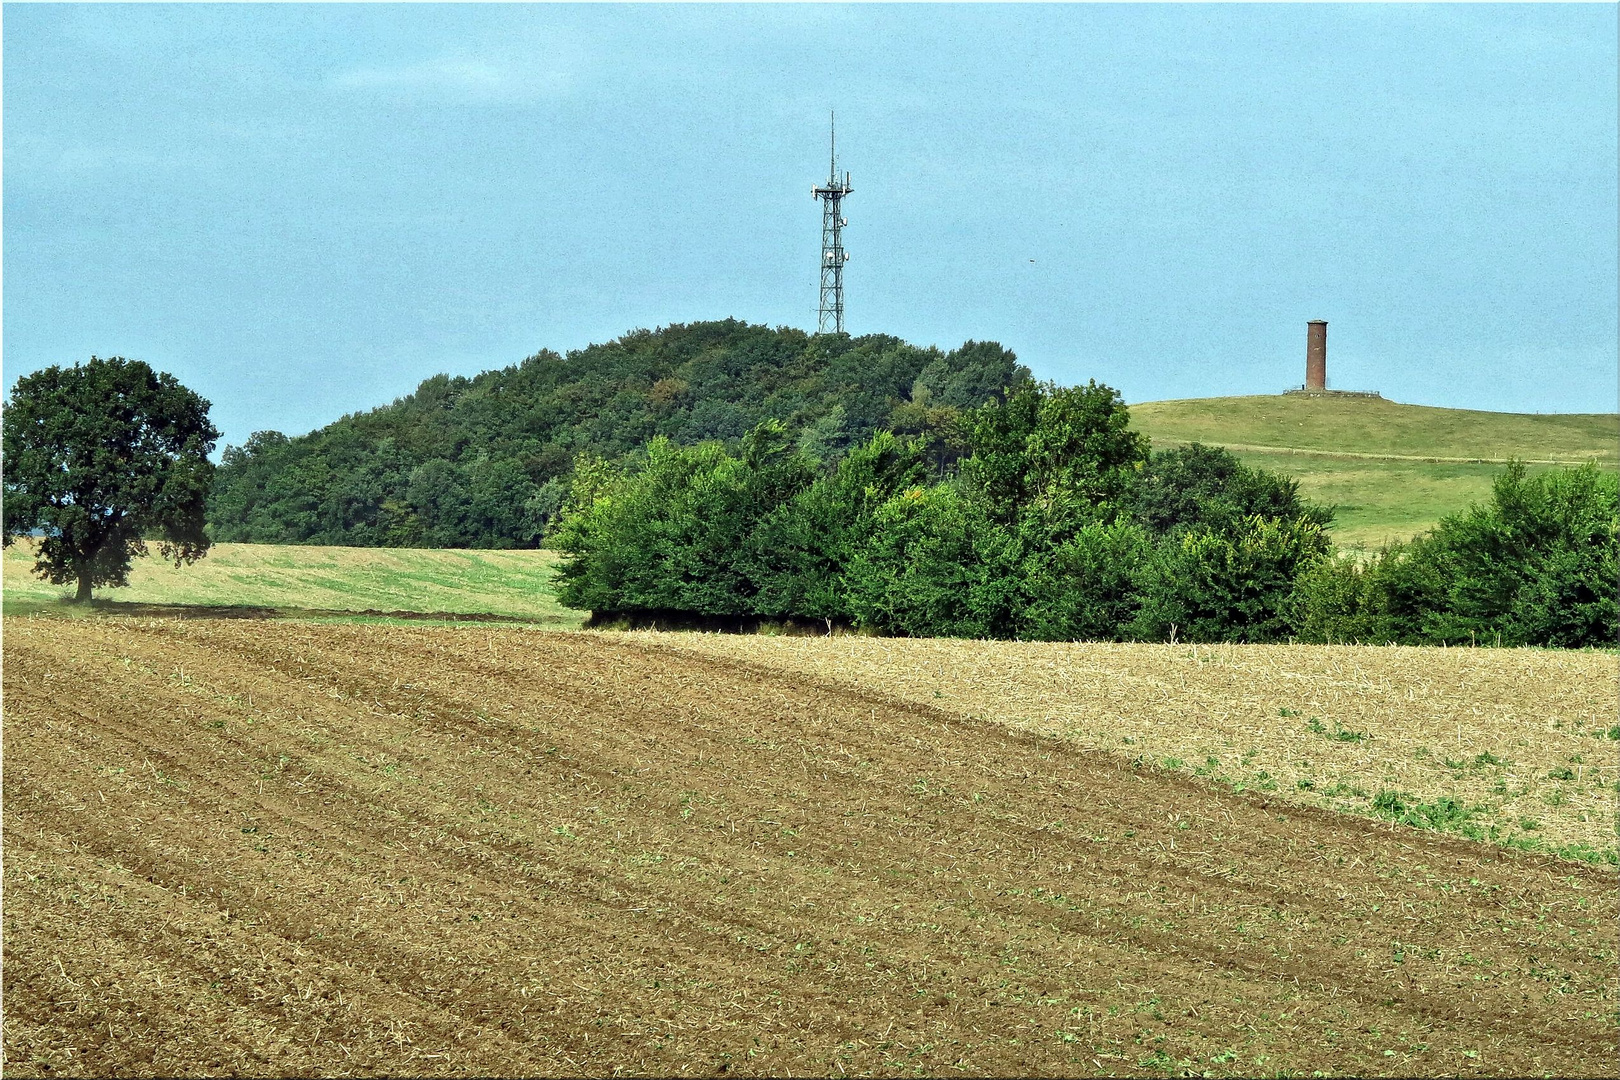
99	458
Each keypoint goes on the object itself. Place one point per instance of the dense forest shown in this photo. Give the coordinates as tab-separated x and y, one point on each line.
485	461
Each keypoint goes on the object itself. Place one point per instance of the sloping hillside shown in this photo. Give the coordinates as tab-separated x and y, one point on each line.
1379	427
480	462
1392	470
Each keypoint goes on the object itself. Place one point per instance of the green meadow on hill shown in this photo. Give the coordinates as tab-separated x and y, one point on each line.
1391	470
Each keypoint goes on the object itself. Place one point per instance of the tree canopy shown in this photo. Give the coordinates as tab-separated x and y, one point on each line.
100	458
485	461
1057	525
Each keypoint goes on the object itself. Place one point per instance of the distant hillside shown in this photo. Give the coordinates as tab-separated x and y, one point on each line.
1355	425
1392	470
481	462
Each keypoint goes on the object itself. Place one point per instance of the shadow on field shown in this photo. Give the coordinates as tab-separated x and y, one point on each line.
135	609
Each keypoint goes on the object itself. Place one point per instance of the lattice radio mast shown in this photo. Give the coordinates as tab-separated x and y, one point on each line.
833	255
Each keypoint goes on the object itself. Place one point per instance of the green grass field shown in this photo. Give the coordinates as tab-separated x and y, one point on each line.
1391	470
1382	428
515	584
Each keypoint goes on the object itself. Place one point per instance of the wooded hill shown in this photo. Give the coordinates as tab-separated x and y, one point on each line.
482	462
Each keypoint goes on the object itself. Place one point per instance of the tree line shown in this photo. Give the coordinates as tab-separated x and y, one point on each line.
1059	522
909	492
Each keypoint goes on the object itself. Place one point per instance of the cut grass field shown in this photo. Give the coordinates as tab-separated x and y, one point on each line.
299	579
291	847
1381	427
1392	470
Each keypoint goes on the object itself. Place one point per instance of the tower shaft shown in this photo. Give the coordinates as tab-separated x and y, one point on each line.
1316	355
832	265
833	255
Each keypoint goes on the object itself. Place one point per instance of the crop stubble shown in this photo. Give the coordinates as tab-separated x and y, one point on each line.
297	848
1515	735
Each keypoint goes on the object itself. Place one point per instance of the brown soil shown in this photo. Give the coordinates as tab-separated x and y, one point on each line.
297	849
1518	737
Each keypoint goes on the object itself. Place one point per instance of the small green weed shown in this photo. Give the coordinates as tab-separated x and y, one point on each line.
1340	733
1443	813
1576	852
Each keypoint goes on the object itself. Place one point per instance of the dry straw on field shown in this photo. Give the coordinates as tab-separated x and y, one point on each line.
1522	740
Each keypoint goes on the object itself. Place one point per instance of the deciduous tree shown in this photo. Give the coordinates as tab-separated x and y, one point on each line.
99	458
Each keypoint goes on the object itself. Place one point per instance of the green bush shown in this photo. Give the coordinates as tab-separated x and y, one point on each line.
1206	487
673	534
937	566
1236	586
1534	566
1334	602
1086	588
706	532
1053	459
799	553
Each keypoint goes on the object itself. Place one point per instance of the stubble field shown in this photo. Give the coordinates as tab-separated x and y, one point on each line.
1520	746
297	849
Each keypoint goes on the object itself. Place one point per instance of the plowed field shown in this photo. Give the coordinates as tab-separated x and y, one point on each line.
288	848
1523	742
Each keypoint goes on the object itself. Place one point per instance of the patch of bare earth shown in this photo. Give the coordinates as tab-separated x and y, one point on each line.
301	849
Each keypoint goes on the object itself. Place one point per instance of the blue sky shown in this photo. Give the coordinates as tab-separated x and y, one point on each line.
303	211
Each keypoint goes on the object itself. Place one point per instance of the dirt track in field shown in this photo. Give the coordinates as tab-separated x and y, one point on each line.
324	849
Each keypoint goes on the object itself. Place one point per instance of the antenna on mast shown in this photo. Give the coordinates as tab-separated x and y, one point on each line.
832	158
833	255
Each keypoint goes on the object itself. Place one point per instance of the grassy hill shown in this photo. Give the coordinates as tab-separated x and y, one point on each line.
1392	470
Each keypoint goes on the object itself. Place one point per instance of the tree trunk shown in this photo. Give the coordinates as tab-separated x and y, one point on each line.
83	595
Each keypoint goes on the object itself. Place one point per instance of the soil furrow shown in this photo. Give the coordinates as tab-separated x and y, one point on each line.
461	850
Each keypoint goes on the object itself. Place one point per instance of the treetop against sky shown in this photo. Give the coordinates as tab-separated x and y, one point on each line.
302	211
